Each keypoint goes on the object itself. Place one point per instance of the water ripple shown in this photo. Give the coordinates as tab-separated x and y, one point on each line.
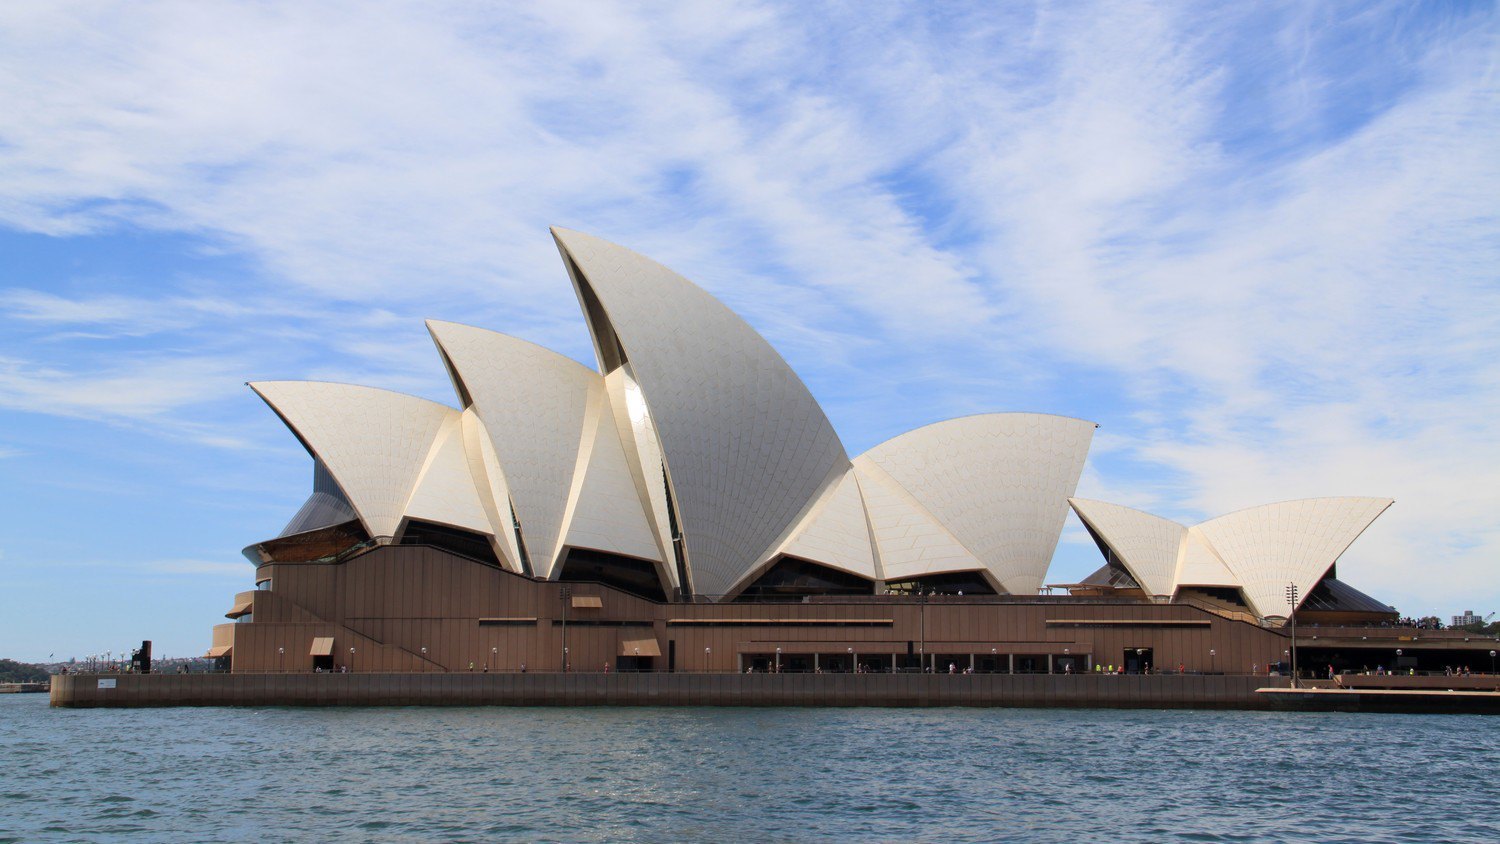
950	775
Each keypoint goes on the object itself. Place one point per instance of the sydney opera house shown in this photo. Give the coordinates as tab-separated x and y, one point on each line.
687	506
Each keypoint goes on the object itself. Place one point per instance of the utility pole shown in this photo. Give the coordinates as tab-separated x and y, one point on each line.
1291	599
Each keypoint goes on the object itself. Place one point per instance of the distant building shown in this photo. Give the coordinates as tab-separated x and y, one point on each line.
1467	619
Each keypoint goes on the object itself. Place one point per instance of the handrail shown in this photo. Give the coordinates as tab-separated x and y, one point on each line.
1222	612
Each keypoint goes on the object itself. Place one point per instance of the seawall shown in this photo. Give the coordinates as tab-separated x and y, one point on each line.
663	689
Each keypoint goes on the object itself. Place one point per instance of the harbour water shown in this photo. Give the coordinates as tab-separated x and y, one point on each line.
684	774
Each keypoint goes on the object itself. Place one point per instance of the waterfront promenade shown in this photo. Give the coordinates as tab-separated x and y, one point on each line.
1188	691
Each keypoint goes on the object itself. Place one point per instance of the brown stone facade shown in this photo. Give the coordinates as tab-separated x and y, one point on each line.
422	609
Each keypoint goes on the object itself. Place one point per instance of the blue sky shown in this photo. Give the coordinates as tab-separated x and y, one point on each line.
1257	243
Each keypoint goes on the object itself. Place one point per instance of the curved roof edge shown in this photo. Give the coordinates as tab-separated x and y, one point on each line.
745	445
375	465
1147	545
999	483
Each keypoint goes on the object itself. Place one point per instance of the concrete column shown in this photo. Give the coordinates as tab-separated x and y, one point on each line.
1010	663
1049	664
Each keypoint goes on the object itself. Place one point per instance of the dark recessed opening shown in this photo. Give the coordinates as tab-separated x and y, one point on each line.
792	578
967	582
462	542
628	574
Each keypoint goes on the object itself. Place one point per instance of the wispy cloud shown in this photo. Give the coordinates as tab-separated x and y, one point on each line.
1254	242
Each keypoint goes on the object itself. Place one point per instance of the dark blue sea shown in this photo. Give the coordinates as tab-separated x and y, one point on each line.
729	775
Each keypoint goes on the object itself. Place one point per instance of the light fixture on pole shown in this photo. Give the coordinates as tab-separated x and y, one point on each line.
281	659
778	660
351	660
564	594
1291	600
1212	663
1492	662
707	652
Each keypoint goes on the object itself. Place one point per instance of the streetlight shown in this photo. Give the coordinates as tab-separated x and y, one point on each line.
495	658
281	659
564	594
850	651
351	660
424	657
1212	663
1291	599
1492	662
707	652
1398	660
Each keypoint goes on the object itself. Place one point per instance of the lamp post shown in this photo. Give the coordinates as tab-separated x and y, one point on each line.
1291	599
495	658
1212	663
565	593
707	652
850	651
281	659
1397	666
424	657
351	660
1492	662
922	651
778	660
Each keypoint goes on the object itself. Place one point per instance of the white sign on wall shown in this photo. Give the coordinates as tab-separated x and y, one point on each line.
107	684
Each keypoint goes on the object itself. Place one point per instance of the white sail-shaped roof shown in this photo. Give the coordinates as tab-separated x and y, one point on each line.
1198	565
909	542
1260	551
745	444
533	403
605	513
445	491
373	442
999	483
643	458
1290	542
494	496
1148	546
835	532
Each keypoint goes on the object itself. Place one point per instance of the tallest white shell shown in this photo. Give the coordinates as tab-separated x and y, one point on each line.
746	446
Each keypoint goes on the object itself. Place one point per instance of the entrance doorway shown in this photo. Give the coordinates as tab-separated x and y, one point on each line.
1138	660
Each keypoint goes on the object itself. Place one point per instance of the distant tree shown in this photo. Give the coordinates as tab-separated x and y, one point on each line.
19	672
1491	629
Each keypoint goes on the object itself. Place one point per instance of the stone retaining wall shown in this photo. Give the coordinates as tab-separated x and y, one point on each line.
662	689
